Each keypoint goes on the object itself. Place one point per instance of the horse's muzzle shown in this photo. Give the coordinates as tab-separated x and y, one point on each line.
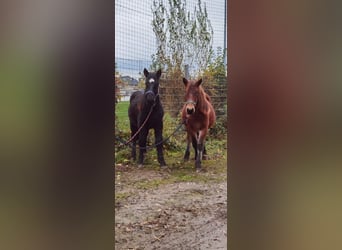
190	111
150	96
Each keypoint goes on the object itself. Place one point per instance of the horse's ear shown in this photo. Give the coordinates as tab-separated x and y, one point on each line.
198	83
146	72
185	81
159	73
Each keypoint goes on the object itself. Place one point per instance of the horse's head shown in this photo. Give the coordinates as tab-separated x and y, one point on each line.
192	94
152	85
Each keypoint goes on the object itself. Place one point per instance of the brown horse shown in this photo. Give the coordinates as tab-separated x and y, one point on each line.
198	115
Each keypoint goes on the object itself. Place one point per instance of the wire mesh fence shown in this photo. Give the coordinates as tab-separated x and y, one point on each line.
172	96
135	43
173	103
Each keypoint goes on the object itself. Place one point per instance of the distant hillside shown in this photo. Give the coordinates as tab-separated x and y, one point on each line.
131	67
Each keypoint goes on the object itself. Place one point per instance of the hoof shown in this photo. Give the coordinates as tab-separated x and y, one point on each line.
165	169
198	170
186	156
140	166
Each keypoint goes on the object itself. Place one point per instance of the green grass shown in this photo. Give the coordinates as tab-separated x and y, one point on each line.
122	196
182	175
122	128
216	170
122	110
216	166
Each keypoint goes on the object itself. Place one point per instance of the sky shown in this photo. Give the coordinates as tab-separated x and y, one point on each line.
134	37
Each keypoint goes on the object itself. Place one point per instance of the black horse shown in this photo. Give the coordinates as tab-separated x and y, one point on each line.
141	103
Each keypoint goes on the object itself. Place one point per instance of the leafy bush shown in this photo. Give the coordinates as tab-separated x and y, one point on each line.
219	131
176	141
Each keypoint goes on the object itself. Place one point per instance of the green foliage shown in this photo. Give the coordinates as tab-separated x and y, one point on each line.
217	67
215	77
182	38
158	25
122	130
201	34
219	131
141	83
176	142
216	72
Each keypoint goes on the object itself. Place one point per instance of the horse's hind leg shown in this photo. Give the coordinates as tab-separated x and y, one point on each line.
158	132
205	156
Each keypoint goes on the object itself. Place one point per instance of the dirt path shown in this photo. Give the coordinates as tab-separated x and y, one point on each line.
177	215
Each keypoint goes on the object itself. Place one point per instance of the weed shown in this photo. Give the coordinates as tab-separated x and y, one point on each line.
121	196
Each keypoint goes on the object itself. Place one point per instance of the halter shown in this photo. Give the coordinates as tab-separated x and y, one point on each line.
149	91
190	102
155	95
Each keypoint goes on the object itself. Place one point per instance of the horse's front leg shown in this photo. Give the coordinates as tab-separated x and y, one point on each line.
200	148
142	145
194	144
187	150
158	132
199	157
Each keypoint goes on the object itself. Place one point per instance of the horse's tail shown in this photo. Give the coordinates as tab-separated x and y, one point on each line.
212	115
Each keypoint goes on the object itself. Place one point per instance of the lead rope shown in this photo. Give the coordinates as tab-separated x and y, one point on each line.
152	146
148	116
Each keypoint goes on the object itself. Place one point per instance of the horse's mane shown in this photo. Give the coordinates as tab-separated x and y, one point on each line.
203	99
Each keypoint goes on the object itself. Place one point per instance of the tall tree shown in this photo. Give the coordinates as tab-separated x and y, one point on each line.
182	37
201	37
159	28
